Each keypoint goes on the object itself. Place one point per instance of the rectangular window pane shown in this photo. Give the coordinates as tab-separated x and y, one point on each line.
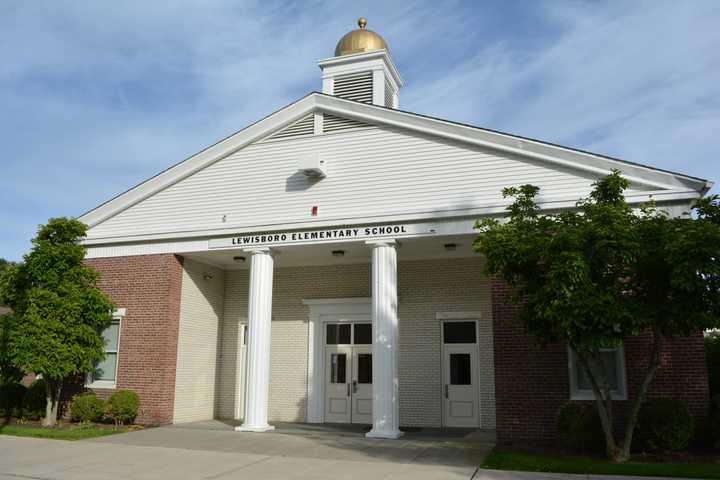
331	338
344	333
111	335
364	368
610	365
459	332
363	333
460	370
338	368
106	369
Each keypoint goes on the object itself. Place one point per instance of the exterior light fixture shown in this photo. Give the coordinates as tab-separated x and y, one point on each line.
450	247
338	253
239	259
207	276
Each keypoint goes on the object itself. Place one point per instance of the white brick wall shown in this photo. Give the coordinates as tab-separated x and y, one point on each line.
201	308
425	288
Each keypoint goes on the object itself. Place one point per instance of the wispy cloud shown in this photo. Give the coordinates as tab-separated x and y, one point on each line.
97	96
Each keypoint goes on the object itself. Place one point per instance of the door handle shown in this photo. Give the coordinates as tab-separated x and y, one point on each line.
348	389
446	391
354	387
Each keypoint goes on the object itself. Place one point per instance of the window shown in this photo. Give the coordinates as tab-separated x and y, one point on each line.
348	334
460	369
459	332
362	334
105	373
338	334
614	364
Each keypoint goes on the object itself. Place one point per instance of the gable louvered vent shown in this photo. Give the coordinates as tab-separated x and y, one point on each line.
388	95
331	124
356	86
302	128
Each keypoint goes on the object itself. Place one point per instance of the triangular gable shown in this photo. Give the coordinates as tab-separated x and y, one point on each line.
355	116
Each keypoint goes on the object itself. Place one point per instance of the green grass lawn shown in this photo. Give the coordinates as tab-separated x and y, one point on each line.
72	433
531	462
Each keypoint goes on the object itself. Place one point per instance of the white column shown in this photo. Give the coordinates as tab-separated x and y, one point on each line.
258	348
386	406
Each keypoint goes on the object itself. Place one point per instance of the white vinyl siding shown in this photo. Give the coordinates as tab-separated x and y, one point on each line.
201	308
374	172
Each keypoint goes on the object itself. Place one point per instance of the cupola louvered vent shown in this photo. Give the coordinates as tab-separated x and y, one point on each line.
388	95
356	86
331	124
302	128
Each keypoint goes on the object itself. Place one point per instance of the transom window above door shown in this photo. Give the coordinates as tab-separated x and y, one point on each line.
348	334
459	332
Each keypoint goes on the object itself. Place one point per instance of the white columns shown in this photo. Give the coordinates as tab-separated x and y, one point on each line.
258	349
386	407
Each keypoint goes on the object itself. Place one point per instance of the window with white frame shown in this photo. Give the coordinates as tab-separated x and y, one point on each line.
105	373
614	363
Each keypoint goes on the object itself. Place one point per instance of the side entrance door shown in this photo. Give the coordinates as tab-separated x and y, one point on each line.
460	374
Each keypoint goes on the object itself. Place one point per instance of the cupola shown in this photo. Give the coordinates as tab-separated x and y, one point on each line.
362	69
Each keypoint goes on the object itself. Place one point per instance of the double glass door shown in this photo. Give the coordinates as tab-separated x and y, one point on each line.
348	373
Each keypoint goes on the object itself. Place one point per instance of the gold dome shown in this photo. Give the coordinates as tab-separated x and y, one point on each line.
360	40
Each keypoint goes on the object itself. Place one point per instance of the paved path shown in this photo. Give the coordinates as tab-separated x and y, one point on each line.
199	453
187	453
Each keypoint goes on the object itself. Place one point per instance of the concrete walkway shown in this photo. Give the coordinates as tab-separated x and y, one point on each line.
211	450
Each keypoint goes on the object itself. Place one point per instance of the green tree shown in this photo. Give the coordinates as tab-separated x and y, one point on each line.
601	273
5	264
58	310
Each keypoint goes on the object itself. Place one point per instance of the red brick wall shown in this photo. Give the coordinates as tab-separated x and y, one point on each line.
532	383
148	287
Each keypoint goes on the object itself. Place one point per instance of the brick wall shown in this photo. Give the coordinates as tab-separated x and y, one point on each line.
532	383
149	287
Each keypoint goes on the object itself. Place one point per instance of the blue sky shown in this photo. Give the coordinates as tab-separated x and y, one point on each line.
97	96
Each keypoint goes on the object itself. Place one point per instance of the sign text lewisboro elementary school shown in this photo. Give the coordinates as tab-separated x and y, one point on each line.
316	235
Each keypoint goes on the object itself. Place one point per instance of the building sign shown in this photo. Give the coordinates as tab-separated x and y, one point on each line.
320	235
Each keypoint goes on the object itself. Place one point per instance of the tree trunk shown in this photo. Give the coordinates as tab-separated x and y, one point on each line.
590	362
53	387
631	421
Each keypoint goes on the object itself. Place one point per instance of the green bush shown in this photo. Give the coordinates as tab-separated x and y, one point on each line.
11	397
87	407
712	350
715	420
579	427
33	406
122	406
665	425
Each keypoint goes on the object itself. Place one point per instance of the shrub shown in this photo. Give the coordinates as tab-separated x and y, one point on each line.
122	406
11	397
87	407
33	406
715	420
579	427
665	425
712	350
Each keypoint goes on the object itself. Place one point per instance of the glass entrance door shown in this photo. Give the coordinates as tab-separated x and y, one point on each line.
348	372
460	374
